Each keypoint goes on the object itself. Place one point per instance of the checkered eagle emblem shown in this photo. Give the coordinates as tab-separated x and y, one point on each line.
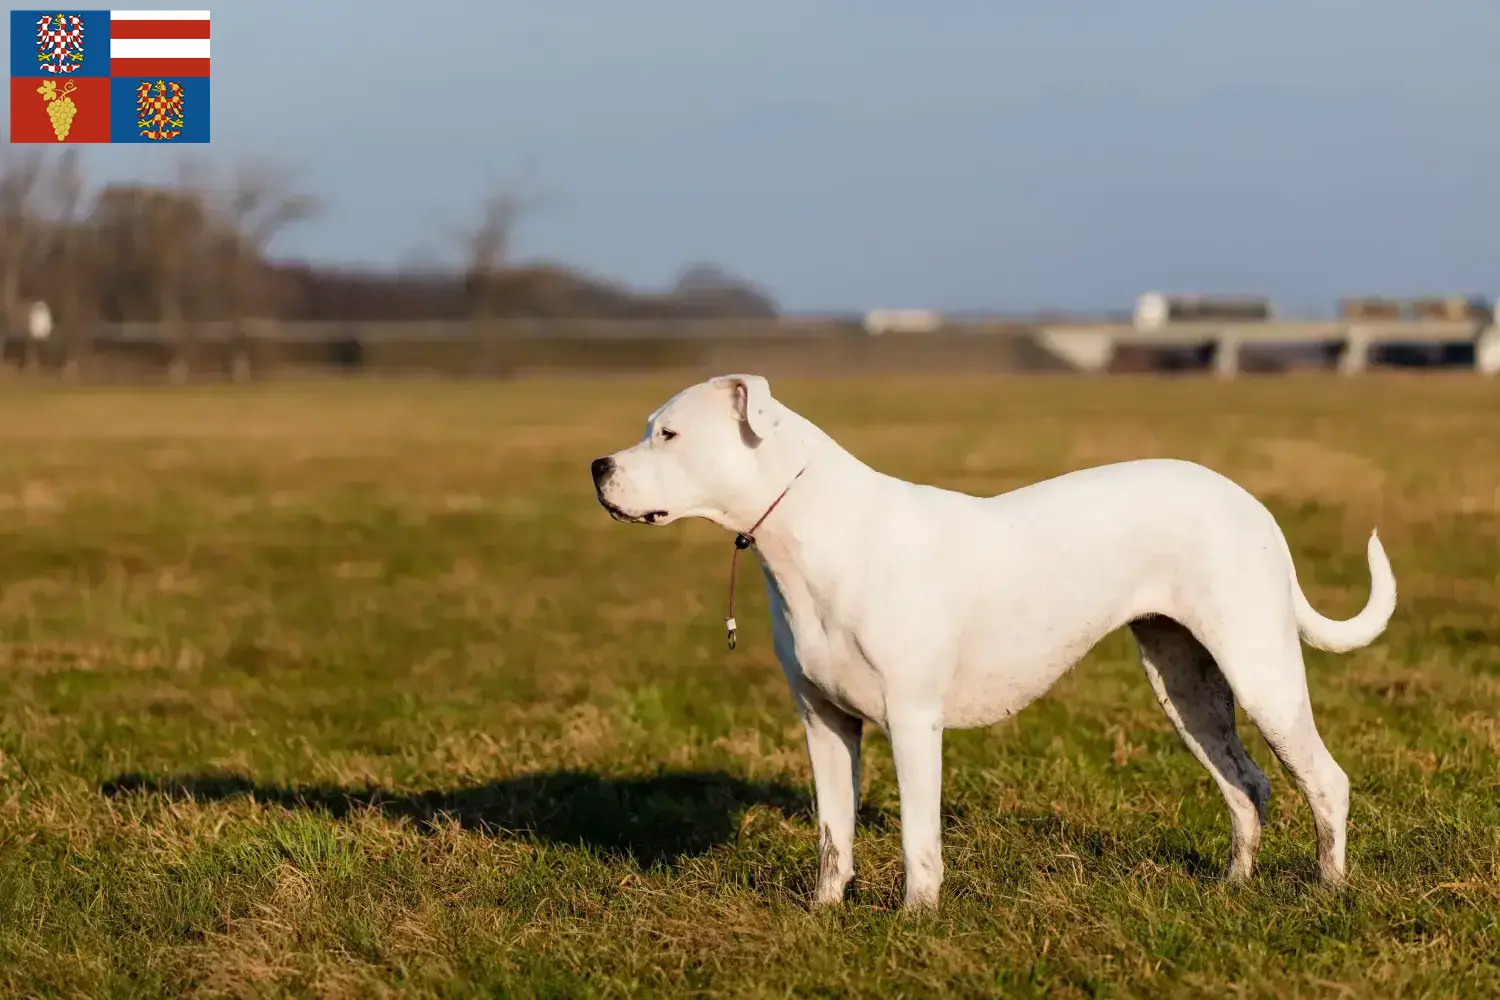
59	42
158	107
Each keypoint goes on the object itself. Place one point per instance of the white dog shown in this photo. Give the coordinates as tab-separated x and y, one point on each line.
919	609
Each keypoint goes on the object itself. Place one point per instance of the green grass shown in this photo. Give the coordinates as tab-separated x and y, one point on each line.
353	691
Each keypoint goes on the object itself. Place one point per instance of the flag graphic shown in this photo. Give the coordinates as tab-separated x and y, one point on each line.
69	110
109	76
161	43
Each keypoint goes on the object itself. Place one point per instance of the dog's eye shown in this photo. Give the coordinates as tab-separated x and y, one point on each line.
667	435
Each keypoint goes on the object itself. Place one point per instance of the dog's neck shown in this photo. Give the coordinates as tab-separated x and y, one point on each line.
811	513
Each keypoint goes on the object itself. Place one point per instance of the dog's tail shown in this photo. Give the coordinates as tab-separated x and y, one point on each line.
1365	627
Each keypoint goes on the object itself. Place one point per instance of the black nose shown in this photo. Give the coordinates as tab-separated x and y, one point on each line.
601	468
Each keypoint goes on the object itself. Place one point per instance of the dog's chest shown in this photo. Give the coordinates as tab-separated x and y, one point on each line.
816	650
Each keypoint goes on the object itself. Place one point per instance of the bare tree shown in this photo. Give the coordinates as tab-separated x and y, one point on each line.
156	248
487	251
67	188
21	175
41	198
63	240
488	242
260	202
63	251
149	235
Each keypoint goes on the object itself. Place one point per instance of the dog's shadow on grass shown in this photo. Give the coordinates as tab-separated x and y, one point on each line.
652	819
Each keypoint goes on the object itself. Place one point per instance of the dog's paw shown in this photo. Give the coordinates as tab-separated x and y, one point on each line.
830	894
920	904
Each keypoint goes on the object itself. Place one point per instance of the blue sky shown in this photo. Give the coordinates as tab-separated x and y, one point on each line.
962	155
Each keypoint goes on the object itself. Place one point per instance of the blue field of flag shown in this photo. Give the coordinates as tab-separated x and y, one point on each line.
126	113
75	39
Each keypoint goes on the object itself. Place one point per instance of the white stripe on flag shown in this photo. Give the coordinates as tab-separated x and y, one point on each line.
158	15
158	48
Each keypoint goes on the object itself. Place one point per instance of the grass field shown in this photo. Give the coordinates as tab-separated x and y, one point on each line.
354	691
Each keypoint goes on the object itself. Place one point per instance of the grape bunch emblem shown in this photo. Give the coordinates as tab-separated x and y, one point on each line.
60	107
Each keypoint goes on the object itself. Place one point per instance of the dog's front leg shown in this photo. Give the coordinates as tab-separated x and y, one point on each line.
833	745
917	744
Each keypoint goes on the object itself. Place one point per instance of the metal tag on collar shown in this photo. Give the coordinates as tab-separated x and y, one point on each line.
729	631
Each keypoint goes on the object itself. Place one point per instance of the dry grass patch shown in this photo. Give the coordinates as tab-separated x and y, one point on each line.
352	690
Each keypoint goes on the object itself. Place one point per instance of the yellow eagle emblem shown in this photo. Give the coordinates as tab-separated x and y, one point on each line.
158	108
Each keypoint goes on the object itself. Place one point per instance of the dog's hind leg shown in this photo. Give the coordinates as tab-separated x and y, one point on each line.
1266	671
1198	700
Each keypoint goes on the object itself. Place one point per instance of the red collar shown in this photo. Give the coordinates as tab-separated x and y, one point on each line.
743	541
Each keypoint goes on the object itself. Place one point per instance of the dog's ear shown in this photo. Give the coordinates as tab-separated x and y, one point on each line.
752	403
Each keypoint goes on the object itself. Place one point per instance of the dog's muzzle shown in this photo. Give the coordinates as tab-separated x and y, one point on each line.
602	469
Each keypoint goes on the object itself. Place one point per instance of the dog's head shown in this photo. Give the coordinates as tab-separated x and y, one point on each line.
705	454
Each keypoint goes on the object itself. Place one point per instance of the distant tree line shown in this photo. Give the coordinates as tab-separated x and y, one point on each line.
197	250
